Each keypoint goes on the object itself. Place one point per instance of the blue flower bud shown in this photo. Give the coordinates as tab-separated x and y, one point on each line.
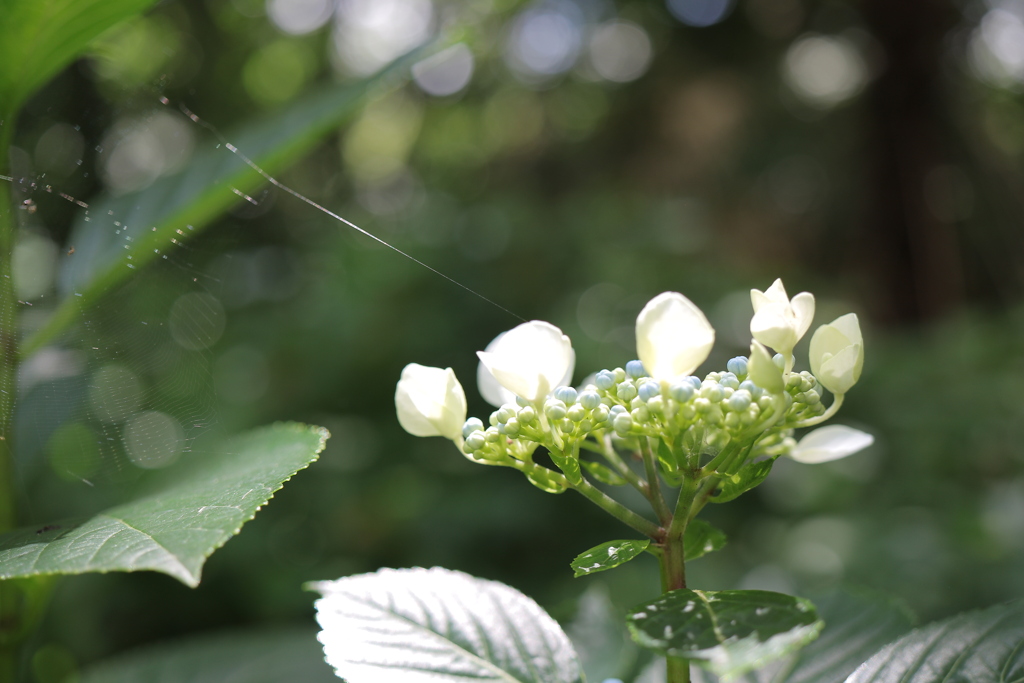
626	391
521	402
605	380
555	410
780	361
739	401
566	394
617	410
576	412
695	381
682	391
590	399
635	369
737	366
473	424
729	380
649	390
747	385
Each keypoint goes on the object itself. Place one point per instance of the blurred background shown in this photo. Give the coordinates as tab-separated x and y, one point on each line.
568	159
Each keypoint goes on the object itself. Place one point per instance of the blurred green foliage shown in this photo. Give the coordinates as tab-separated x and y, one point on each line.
571	198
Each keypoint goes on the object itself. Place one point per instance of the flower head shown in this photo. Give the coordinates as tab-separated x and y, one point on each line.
528	361
837	353
430	402
780	322
672	336
830	443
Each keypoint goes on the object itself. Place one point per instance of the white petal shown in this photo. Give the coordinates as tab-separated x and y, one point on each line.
673	337
492	392
803	310
777	292
430	402
773	325
530	360
830	443
763	371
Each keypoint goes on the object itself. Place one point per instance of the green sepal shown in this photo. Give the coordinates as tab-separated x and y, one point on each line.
749	476
570	466
726	632
545	479
702	538
607	556
603	473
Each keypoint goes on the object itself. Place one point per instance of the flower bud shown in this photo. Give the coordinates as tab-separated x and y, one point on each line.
512	428
682	391
626	391
640	414
737	366
656	405
739	401
471	425
605	380
729	381
576	412
837	353
600	414
590	400
586	425
622	424
566	395
475	441
506	412
648	390
620	375
711	391
527	415
555	410
635	369
430	402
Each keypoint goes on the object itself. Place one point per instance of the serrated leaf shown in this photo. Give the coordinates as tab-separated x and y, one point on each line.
437	625
603	473
702	538
607	556
256	657
857	624
750	475
179	519
727	632
38	38
176	208
976	647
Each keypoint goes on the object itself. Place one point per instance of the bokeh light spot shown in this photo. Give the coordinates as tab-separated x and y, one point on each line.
824	71
197	321
620	51
153	439
545	40
277	72
370	33
700	13
33	266
299	17
115	393
445	73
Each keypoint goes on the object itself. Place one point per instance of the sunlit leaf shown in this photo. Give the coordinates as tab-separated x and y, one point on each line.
258	657
727	632
38	38
436	625
749	476
175	209
607	556
701	538
977	647
179	519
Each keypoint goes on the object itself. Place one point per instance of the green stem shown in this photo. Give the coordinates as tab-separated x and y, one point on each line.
653	482
672	561
8	334
620	466
837	401
618	510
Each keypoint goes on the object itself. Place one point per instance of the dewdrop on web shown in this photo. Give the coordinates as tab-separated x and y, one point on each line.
706	429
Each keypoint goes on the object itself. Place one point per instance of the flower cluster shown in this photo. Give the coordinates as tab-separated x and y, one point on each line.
654	407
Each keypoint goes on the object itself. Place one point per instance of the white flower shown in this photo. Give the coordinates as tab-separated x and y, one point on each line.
837	353
830	443
528	361
779	322
672	336
430	402
763	371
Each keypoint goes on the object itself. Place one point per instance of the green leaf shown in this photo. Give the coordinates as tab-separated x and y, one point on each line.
727	632
603	473
438	625
976	647
546	480
749	476
857	624
179	518
607	556
701	538
240	657
174	209
38	38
